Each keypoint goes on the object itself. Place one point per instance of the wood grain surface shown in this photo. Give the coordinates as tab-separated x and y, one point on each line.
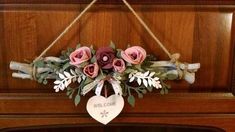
199	31
198	34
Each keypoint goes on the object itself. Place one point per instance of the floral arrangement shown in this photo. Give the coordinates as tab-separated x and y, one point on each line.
106	71
120	68
126	72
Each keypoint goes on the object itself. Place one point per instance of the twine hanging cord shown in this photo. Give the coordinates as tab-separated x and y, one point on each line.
174	57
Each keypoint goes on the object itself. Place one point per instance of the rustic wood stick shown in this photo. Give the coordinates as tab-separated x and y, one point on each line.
54	59
26	68
21	75
21	67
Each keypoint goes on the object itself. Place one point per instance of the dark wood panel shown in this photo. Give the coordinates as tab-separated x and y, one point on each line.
185	2
233	59
218	121
199	34
55	103
115	128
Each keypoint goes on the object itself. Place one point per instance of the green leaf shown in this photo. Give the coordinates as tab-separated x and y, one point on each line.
88	80
93	51
138	67
40	80
129	70
93	59
63	52
128	64
162	92
45	82
140	95
68	92
71	95
77	99
144	91
150	89
119	53
172	76
112	45
166	91
100	76
131	100
78	46
44	75
65	66
70	50
39	63
84	64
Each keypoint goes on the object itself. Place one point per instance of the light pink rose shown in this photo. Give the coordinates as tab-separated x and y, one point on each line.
80	55
119	65
134	55
91	70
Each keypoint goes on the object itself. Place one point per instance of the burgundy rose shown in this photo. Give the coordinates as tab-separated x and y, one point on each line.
105	57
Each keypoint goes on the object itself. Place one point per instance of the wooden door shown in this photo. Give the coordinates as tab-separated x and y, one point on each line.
201	31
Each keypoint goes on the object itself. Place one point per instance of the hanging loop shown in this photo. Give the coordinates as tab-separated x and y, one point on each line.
172	57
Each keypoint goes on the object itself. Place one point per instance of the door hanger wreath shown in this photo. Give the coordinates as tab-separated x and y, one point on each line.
122	71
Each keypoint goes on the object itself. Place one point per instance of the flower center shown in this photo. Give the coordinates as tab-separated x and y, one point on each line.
134	56
79	55
105	58
91	69
118	63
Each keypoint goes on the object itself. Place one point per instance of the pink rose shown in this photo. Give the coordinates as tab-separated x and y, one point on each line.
91	70
119	65
134	55
80	55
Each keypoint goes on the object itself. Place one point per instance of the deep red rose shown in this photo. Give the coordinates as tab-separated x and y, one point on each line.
105	57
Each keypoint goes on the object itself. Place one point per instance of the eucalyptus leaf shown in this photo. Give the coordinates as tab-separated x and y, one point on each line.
88	80
84	64
162	92
39	63
40	80
140	95
144	91
78	46
77	99
172	76
65	66
131	100
112	45
150	89
45	82
71	95
93	59
119	53
129	70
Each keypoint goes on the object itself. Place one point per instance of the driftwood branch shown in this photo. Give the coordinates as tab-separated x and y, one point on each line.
185	71
25	70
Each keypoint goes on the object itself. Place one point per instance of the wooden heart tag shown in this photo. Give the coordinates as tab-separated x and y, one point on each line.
104	109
